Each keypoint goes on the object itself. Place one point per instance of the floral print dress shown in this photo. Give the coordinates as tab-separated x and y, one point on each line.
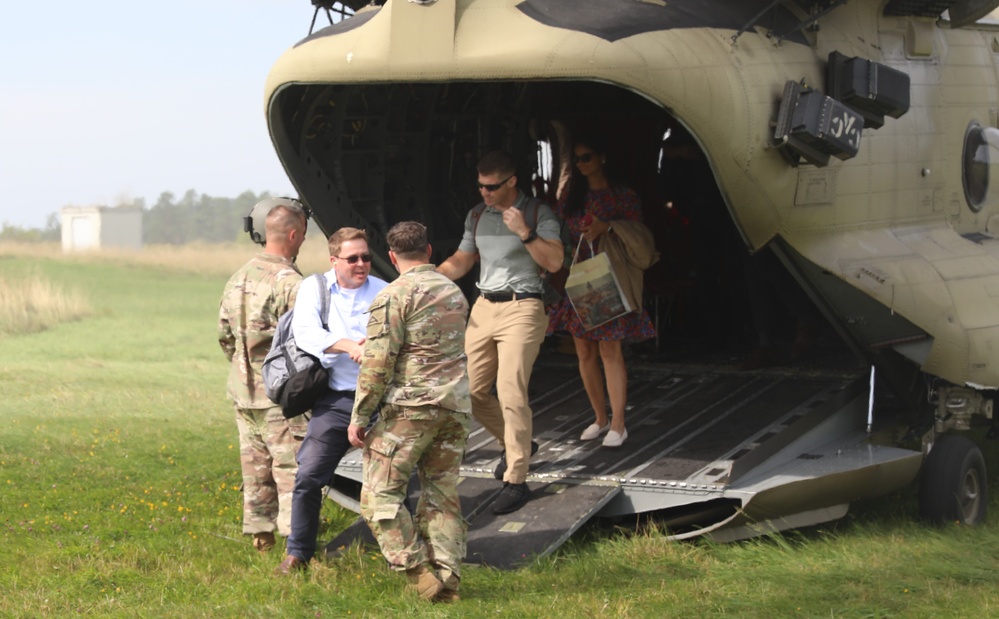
607	205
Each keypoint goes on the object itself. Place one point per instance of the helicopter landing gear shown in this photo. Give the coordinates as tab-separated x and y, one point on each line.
953	485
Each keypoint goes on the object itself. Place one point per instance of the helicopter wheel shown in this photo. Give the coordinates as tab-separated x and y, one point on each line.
953	485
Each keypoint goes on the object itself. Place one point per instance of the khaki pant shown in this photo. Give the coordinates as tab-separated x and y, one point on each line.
502	343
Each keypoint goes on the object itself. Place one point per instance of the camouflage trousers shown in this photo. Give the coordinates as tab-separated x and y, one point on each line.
268	444
396	445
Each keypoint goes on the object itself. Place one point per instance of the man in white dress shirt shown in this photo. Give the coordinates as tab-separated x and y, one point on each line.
339	349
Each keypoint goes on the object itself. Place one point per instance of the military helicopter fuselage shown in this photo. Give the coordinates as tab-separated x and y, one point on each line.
855	141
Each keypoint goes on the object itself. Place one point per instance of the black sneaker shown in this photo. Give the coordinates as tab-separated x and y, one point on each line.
511	498
501	467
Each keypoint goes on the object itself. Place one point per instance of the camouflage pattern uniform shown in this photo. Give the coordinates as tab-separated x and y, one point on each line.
414	365
254	298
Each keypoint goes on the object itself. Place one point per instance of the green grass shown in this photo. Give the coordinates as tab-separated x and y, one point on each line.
119	474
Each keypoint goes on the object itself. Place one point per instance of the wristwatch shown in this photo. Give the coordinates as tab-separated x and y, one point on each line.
533	234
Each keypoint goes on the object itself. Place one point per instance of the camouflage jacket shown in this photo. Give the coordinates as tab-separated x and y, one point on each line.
254	299
414	355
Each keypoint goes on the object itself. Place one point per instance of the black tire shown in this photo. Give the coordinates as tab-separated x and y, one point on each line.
953	486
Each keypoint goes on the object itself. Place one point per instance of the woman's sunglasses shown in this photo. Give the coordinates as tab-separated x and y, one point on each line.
353	259
584	158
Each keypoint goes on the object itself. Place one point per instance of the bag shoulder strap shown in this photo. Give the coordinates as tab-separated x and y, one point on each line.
533	203
478	209
289	363
324	299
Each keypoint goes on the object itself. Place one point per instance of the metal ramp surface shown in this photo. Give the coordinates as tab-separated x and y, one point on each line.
692	431
697	435
508	541
552	515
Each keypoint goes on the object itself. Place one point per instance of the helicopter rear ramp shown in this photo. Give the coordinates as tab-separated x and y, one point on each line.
712	450
556	510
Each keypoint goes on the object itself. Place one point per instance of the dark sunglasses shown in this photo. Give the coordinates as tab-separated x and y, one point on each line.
495	186
355	258
584	158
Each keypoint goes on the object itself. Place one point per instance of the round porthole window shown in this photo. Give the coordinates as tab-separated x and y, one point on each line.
976	163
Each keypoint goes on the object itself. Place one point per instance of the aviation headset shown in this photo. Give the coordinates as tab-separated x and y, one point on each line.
253	223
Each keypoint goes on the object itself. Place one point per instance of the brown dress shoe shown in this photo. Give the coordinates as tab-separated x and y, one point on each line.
290	565
263	542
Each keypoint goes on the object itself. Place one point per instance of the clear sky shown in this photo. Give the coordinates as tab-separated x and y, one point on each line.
106	101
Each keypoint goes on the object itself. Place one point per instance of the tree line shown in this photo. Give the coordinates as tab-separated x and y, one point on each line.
171	221
196	217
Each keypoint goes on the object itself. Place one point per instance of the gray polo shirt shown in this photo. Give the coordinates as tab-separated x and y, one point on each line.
504	262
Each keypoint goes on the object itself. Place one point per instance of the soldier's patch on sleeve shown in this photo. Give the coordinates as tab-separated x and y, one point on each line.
378	321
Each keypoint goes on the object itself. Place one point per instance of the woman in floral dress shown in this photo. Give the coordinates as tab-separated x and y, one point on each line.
589	206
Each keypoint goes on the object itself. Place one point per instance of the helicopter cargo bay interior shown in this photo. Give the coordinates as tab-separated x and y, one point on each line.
379	153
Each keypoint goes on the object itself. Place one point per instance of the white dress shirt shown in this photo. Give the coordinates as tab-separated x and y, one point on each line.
348	318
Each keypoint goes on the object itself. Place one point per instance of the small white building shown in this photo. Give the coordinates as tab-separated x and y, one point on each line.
100	227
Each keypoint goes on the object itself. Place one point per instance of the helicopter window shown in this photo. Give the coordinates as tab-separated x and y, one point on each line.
662	149
541	179
975	166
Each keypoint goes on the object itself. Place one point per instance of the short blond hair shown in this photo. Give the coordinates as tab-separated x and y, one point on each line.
283	218
341	236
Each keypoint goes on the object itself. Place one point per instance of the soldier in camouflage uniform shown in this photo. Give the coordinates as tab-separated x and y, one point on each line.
414	366
254	299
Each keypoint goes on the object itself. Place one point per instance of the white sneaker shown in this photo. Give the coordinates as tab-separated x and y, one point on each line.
613	439
592	431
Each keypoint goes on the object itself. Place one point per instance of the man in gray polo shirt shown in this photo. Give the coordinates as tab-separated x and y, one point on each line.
508	322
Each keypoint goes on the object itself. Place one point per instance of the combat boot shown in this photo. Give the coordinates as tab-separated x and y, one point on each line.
263	542
423	582
447	596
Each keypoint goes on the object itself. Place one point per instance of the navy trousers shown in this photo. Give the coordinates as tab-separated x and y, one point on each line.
325	443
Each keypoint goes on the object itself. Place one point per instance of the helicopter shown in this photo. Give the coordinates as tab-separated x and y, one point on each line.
854	143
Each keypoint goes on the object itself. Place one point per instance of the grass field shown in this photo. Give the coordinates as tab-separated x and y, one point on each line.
119	475
31	304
